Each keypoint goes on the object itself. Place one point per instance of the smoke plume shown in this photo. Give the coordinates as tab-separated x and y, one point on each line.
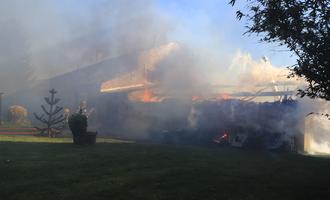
43	39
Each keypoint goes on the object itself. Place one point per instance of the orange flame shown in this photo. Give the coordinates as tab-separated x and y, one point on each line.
195	98
221	138
224	96
148	96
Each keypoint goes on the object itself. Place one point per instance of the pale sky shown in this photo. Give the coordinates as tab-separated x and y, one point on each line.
213	23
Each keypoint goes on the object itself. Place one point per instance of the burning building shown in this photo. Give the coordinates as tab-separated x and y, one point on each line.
144	108
198	118
145	96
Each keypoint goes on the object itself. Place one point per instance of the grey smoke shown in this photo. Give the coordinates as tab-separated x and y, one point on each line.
42	39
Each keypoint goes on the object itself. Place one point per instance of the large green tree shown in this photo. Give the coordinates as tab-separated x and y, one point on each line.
303	27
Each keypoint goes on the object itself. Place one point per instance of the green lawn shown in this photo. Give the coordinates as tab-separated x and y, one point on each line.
132	171
67	139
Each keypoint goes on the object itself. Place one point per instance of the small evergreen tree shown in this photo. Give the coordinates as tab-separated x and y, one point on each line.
52	118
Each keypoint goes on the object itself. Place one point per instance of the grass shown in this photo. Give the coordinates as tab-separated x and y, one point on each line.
35	139
11	128
56	169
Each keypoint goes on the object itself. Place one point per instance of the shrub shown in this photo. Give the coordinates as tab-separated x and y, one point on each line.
17	114
78	124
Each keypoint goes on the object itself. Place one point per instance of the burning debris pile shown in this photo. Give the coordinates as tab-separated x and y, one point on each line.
257	125
248	124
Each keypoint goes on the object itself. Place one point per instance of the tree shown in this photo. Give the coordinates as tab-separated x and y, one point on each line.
54	121
303	26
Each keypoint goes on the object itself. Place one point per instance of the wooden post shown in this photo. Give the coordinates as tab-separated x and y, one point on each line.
1	108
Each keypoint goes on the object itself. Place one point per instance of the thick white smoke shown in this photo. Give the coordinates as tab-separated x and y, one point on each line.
248	72
315	125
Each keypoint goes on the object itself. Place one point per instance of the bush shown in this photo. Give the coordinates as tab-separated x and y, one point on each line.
78	124
17	114
78	127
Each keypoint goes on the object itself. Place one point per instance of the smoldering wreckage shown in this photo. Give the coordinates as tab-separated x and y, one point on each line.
128	97
222	122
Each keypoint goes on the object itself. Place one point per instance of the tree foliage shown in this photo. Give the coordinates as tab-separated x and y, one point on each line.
17	114
303	27
52	118
78	123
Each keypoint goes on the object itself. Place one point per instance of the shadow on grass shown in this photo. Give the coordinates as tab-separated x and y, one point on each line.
120	170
